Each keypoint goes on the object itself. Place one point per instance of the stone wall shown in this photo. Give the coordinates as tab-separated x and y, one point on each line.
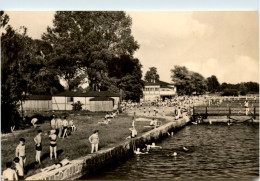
93	162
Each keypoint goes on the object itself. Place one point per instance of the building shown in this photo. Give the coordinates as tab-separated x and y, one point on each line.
158	90
37	103
104	100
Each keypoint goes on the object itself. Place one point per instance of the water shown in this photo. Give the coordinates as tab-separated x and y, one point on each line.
215	151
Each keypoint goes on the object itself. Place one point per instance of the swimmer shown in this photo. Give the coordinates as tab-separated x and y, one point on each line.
57	165
154	146
173	154
138	152
185	149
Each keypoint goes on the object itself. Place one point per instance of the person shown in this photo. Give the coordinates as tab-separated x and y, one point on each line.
71	125
53	123
20	152
103	122
247	107
65	127
133	122
138	152
33	121
107	115
9	173
62	163
19	169
154	146
149	110
53	144
133	133
38	146
94	140
59	126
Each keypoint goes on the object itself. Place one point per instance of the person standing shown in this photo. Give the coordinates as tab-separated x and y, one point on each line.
94	140
53	123
38	146
20	152
247	107
59	126
53	144
65	127
9	173
19	169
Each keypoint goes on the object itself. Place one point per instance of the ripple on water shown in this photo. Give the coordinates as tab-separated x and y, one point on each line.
215	151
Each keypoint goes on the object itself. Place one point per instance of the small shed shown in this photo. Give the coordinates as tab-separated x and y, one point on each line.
38	103
101	104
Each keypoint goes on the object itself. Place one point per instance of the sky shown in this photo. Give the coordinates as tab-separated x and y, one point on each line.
221	43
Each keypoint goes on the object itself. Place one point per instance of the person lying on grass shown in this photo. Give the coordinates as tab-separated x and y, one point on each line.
106	121
60	164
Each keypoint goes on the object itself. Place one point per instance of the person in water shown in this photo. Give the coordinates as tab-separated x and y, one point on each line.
138	152
153	146
62	163
94	140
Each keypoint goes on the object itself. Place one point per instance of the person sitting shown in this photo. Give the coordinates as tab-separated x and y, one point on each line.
138	152
72	126
62	163
133	133
107	115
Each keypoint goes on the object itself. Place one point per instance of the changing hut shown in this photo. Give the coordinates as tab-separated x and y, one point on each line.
38	103
93	101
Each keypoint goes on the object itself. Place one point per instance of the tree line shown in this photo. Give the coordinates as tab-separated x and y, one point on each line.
189	82
91	45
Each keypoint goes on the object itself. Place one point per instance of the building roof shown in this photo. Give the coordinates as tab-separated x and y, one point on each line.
87	94
39	97
101	99
162	84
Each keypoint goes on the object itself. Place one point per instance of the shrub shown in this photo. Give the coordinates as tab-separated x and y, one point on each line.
77	106
230	92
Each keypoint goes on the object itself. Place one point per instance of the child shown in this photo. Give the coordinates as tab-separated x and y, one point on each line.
19	169
9	173
38	146
53	144
33	121
94	140
20	152
57	165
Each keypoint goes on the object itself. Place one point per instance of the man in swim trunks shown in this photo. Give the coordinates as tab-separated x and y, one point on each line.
65	124
38	146
53	123
20	152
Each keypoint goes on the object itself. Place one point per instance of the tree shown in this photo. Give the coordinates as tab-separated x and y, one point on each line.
242	89
152	75
88	39
213	84
187	81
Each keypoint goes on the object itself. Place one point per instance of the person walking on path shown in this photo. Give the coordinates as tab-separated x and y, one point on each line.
94	140
20	152
53	144
9	173
38	146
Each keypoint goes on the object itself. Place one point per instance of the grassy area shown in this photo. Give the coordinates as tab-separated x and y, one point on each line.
76	145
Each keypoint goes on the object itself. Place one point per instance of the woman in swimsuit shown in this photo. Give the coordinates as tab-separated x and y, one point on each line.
53	144
94	140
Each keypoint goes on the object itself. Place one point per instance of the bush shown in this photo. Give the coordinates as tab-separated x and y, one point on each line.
230	92
77	106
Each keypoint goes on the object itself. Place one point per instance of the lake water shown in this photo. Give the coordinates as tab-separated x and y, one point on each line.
215	151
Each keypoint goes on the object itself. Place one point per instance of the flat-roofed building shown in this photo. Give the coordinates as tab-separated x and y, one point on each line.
158	90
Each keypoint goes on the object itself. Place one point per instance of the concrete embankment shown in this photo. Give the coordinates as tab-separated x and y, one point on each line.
238	119
93	162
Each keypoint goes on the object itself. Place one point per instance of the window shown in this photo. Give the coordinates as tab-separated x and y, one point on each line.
69	99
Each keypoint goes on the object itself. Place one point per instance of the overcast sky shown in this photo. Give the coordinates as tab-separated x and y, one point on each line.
221	43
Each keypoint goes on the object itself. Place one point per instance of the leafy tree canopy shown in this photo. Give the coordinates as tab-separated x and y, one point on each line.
152	75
